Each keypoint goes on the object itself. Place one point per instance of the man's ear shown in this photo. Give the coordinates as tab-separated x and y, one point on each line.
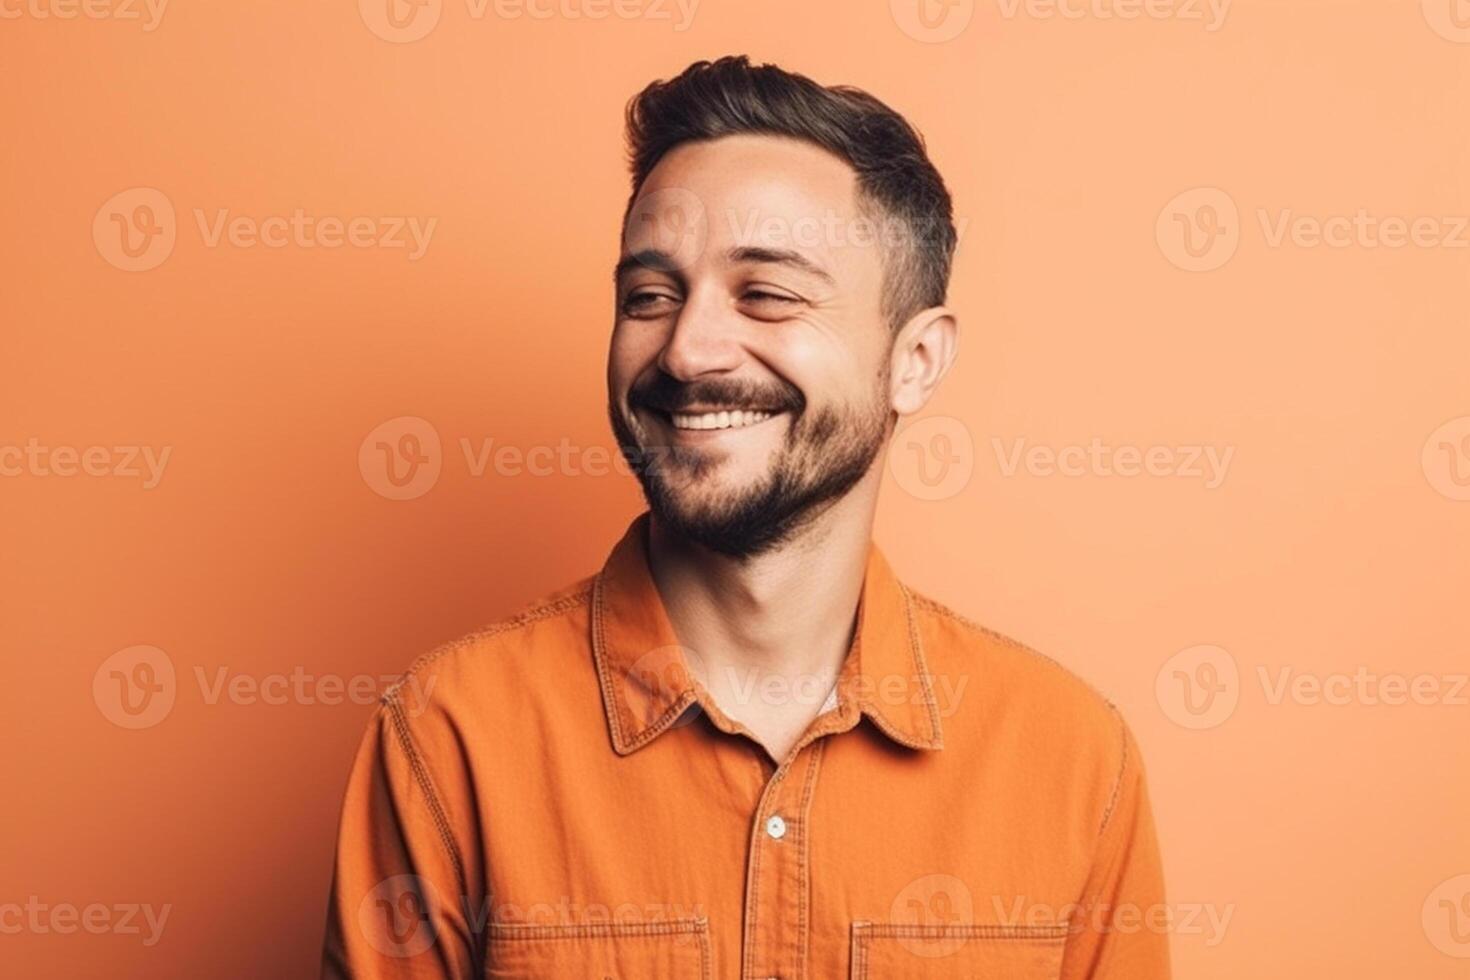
922	354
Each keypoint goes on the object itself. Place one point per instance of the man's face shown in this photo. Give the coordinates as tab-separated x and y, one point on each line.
748	373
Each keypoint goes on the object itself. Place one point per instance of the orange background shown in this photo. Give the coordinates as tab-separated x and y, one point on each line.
1330	546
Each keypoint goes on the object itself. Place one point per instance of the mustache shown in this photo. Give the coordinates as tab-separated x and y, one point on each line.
667	394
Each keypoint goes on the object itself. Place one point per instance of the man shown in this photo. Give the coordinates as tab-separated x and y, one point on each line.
744	749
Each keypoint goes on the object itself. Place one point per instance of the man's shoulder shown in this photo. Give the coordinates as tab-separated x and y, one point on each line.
504	654
995	669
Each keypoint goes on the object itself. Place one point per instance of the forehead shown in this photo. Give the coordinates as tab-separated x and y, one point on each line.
754	190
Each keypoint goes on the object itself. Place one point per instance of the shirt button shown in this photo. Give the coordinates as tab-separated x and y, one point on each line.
776	827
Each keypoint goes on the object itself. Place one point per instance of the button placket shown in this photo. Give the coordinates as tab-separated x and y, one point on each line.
777	876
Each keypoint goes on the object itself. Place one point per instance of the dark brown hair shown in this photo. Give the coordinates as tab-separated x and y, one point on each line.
710	99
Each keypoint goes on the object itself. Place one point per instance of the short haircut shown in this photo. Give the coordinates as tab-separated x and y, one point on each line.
895	179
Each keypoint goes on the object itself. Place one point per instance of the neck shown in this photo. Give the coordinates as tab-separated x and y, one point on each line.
788	612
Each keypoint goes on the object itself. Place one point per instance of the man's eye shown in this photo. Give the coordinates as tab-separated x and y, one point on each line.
646	304
761	296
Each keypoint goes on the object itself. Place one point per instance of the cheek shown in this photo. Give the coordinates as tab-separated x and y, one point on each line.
630	353
828	365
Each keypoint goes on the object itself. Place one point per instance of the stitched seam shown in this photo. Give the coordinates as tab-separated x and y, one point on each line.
754	908
426	785
939	608
803	860
859	968
545	611
599	648
1122	770
918	645
1019	933
527	931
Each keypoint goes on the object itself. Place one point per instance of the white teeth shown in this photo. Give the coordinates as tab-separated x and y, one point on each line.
719	420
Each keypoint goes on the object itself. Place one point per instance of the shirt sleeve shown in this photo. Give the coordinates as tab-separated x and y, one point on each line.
1121	928
396	908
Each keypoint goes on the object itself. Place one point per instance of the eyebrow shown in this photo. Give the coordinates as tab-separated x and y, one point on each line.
779	256
660	261
648	258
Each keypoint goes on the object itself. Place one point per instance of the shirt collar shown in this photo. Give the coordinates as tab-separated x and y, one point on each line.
647	686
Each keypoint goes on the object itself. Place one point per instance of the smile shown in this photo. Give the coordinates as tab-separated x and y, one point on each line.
718	420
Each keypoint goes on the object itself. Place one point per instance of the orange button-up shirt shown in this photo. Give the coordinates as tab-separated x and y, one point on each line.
556	796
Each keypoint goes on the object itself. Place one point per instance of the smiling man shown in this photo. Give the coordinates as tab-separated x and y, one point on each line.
744	748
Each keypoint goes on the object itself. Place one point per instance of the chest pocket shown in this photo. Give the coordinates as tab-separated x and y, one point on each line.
674	949
973	952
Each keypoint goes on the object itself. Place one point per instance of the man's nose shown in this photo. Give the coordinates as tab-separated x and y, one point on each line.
705	339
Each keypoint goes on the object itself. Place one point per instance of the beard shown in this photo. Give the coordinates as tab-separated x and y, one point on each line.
824	455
